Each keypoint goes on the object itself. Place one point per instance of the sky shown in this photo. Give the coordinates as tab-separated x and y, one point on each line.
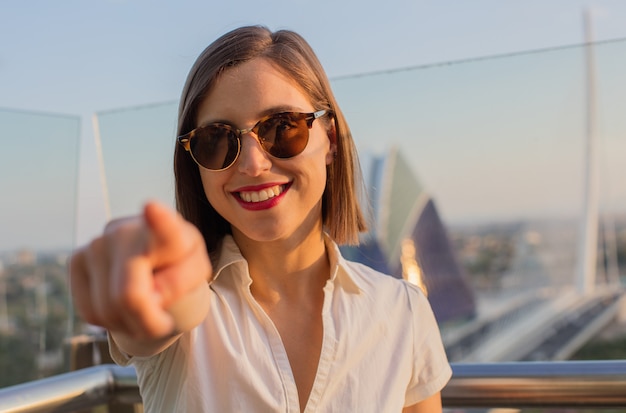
79	57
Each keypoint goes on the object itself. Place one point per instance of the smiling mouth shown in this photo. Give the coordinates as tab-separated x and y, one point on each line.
262	195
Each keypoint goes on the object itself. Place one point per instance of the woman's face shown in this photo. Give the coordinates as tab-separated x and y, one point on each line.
262	197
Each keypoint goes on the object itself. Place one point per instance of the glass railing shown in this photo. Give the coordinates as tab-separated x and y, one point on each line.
38	184
499	138
137	152
497	143
494	139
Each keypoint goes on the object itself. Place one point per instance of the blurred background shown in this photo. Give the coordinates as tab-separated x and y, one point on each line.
491	135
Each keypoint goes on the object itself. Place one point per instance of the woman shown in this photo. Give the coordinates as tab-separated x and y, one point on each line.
242	302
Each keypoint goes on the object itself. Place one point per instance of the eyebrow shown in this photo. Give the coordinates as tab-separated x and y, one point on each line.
279	109
266	112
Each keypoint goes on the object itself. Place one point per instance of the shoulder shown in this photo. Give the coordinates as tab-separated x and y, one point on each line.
395	297
368	279
360	277
384	289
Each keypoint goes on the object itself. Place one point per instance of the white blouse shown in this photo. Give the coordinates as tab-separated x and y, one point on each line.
381	349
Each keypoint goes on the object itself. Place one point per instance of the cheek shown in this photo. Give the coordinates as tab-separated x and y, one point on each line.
211	186
320	142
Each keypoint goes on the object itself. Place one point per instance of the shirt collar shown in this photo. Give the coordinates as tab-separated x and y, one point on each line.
229	255
340	272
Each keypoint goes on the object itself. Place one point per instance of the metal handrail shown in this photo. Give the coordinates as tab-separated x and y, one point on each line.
68	392
589	384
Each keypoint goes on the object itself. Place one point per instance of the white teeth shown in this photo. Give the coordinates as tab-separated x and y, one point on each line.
262	195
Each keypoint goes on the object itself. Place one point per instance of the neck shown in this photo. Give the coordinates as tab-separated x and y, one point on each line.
286	269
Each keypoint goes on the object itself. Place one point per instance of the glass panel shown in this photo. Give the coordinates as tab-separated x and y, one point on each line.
38	175
497	138
138	154
498	144
483	136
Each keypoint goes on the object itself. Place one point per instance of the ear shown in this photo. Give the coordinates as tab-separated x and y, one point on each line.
332	137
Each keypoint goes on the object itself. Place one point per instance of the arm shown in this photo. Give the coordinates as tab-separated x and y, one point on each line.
430	405
145	280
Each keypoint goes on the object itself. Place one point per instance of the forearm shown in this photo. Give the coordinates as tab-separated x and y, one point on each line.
430	405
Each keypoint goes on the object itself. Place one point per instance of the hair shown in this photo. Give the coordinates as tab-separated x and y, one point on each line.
342	216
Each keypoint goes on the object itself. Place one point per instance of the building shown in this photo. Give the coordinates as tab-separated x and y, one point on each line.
407	238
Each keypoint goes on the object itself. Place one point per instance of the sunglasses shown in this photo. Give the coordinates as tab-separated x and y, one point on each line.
283	135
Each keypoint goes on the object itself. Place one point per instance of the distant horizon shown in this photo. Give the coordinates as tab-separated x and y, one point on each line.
619	220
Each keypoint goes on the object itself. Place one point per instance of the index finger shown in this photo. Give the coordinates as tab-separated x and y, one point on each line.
177	251
171	238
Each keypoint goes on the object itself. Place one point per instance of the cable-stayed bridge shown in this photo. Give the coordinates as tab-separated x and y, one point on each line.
551	324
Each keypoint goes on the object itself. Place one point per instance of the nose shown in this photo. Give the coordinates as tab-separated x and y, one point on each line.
252	158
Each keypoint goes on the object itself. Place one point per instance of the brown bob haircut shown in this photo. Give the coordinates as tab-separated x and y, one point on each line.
342	216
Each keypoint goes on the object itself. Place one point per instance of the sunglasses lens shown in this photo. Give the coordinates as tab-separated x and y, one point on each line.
284	135
215	147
